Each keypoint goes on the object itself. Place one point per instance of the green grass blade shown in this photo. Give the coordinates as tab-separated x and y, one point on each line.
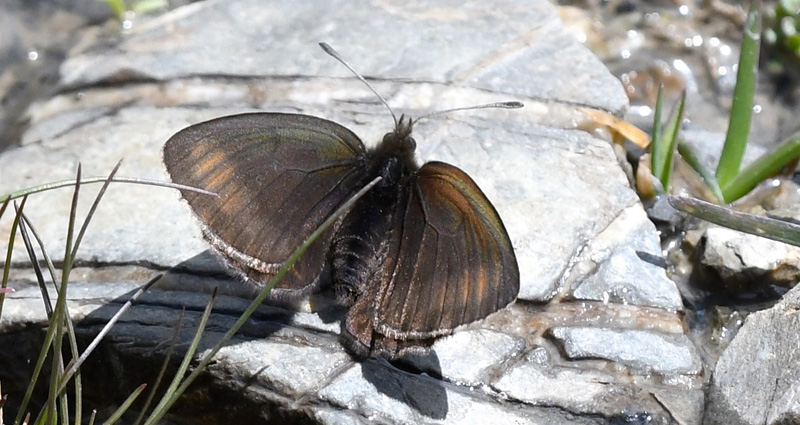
742	107
59	313
24	225
37	369
669	140
759	225
4	206
157	415
92	210
705	173
172	393
656	146
90	180
125	405
48	304
163	371
766	166
103	332
7	266
118	7
73	343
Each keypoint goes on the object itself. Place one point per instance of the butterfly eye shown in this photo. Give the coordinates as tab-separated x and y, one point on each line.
412	144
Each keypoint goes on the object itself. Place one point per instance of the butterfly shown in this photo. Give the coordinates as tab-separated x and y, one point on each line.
420	254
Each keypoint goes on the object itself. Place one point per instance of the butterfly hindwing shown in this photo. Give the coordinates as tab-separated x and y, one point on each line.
450	259
278	177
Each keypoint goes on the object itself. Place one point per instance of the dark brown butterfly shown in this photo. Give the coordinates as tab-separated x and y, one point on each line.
422	253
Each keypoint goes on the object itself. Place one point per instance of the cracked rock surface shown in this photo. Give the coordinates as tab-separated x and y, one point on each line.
596	334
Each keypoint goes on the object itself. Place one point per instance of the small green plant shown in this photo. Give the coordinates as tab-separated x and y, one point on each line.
57	407
121	9
663	142
729	181
759	225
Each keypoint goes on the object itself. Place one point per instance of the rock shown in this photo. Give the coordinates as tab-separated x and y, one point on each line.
756	379
748	261
581	237
651	351
618	265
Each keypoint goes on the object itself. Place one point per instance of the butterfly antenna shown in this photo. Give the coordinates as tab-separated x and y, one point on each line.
499	105
333	53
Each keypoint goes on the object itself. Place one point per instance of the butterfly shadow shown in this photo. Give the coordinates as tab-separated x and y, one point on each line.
413	379
422	391
134	350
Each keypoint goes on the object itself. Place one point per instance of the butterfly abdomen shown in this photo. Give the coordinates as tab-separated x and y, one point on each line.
358	252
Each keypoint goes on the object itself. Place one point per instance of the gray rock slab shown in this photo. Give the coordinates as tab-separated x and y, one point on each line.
571	388
522	166
646	350
574	389
373	388
618	265
742	258
560	191
756	379
337	417
280	366
499	49
467	357
290	369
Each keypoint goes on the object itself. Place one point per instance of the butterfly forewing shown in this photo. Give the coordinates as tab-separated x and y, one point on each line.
450	261
278	177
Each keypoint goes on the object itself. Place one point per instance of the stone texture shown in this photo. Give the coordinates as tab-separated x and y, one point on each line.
499	52
646	350
618	266
756	379
574	222
467	357
745	260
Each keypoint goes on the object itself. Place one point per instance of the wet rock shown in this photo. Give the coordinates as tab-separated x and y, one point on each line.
756	379
691	46
577	227
744	261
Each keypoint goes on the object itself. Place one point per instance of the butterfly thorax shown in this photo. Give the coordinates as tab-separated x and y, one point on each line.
358	252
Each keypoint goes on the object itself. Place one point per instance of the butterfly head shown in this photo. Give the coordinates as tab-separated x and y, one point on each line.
399	142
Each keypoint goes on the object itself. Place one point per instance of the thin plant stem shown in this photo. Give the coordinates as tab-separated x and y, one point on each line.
7	266
657	150
159	412
742	107
171	394
107	328
767	165
90	180
125	405
163	371
759	225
